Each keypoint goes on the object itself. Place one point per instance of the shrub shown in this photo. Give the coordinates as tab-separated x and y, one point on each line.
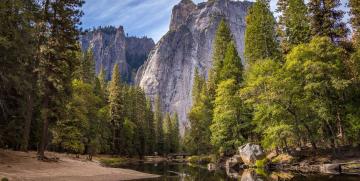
4	179
200	159
262	163
112	162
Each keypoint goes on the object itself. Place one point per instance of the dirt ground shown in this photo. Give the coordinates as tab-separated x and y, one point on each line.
18	166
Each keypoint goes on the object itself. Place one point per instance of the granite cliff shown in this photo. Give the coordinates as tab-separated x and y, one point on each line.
169	69
111	45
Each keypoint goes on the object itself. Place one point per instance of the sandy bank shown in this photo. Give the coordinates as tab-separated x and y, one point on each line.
24	166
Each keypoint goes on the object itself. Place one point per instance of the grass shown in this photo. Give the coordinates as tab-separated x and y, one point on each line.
202	159
112	162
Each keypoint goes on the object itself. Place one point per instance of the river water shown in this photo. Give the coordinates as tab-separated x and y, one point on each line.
185	172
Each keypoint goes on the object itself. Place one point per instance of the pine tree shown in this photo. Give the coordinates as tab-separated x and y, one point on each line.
167	133
116	110
325	19
229	126
59	20
293	23
86	70
175	133
260	34
17	72
225	132
159	132
355	20
232	66
222	38
150	123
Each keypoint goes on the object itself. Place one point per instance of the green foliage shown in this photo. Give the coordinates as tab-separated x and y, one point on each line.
222	38
225	128
200	159
197	136
293	24
355	20
159	130
326	19
262	163
114	161
4	179
260	34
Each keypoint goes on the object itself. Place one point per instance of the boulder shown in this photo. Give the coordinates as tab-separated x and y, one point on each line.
211	167
233	161
250	175
249	153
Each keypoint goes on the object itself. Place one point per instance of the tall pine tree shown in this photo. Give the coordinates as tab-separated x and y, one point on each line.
355	20
260	34
57	59
293	23
326	19
116	111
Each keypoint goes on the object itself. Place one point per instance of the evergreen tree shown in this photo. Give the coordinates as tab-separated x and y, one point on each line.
150	123
167	133
293	23
229	126
225	132
325	19
355	20
116	110
260	34
86	70
175	133
197	136
159	132
232	66
222	38
17	72
59	20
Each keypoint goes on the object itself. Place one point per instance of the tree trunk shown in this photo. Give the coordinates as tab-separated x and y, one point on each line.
41	150
28	117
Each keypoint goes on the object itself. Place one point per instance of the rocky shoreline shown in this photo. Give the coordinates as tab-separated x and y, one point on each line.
252	157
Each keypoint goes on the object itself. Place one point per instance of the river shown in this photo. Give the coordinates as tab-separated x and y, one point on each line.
185	172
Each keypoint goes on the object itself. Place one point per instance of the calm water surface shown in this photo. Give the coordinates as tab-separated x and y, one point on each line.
184	172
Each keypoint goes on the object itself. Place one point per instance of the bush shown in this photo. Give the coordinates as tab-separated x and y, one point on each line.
4	179
200	159
262	163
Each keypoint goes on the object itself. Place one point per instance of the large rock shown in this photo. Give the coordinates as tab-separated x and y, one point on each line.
250	175
233	161
111	45
249	153
169	70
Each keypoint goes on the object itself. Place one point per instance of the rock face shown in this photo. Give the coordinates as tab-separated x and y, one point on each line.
249	153
111	46
169	70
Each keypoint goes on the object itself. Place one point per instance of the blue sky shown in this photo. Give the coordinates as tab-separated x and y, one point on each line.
149	18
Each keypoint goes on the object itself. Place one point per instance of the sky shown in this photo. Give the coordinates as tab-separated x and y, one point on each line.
140	18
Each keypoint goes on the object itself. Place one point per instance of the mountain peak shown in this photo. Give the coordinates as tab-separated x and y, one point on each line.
180	13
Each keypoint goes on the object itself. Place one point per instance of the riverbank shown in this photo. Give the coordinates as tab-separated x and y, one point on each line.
16	165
